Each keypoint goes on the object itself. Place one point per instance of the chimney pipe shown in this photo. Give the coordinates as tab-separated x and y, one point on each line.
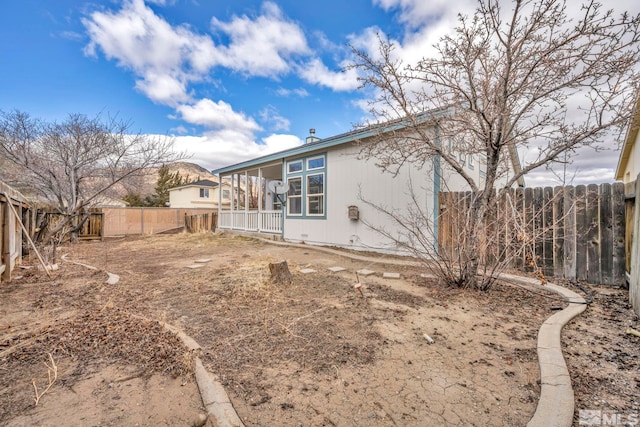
312	136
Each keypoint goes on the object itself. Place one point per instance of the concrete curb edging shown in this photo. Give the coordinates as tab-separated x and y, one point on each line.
215	398
556	404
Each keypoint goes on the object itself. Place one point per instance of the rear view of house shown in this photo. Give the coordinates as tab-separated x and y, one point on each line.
326	192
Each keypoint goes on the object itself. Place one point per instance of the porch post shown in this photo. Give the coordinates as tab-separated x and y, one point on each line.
259	199
219	197
246	200
233	200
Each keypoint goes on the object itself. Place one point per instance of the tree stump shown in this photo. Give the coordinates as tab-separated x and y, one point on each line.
280	272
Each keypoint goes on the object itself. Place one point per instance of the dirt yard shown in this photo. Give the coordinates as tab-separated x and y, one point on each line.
313	353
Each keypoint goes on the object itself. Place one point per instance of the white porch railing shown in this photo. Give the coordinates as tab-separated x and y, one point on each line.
271	221
261	221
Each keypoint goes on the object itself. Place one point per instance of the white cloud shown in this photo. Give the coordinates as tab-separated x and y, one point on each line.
261	46
217	115
416	13
316	72
164	58
299	92
225	147
270	116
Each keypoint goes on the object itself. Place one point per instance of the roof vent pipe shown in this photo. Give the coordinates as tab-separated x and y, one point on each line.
312	136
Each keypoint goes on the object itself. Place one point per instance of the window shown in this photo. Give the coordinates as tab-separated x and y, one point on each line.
470	161
315	194
315	163
462	157
293	167
483	166
306	178
204	193
294	196
226	194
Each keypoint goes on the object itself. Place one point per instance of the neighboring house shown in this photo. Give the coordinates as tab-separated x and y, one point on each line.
198	194
629	161
334	194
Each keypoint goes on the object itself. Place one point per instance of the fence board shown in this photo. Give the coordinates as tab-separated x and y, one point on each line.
619	232
558	232
518	244
634	283
529	250
593	235
581	232
606	235
201	222
547	231
6	240
570	233
11	234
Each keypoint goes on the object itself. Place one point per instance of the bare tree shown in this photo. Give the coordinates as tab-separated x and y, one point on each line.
71	164
505	81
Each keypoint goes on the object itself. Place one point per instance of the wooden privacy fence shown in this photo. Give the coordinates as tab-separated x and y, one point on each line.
92	228
14	210
573	232
124	221
200	222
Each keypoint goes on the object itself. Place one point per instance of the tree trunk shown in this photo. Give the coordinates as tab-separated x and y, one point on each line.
280	272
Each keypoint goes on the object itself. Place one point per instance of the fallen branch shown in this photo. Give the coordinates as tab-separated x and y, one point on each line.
53	369
633	332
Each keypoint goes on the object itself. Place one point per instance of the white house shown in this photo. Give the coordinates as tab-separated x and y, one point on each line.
199	194
331	195
629	161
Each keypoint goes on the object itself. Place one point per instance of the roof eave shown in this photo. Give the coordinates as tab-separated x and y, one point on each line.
345	138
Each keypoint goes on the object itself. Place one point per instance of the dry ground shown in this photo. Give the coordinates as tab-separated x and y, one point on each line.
312	353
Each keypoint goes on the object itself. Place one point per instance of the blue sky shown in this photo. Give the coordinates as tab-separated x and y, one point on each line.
229	79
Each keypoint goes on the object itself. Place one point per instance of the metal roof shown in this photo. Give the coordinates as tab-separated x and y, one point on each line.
201	183
345	138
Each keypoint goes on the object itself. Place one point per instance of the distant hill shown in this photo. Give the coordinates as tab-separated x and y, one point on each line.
192	170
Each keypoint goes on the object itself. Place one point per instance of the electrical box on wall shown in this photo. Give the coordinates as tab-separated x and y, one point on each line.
354	213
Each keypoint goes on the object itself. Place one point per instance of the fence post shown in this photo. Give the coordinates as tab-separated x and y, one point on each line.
547	231
606	234
558	231
6	242
593	235
634	283
569	233
581	231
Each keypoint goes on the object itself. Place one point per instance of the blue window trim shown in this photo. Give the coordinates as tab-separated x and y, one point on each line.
303	174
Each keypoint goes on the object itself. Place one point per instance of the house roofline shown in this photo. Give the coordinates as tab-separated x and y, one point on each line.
201	183
630	137
344	138
355	136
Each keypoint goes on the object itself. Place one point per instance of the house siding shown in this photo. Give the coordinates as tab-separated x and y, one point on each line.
189	197
351	182
630	172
